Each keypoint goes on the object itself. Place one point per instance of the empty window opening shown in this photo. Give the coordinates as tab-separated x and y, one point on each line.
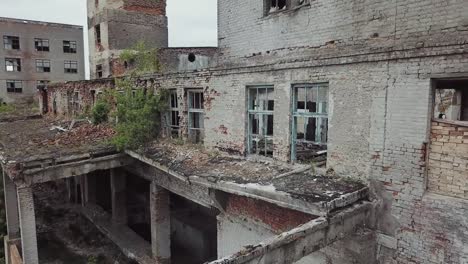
310	122
174	118
260	126
97	30
451	100
12	65
277	5
41	44
138	205
193	232
196	115
43	65
99	73
71	67
69	46
192	57
11	42
14	86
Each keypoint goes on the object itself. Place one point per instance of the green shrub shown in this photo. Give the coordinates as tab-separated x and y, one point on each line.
100	112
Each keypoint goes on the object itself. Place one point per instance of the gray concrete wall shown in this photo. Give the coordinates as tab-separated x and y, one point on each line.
27	31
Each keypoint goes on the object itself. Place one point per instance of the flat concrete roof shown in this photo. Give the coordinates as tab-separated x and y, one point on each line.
42	23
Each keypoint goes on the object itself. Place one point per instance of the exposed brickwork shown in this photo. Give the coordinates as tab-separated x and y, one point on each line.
156	7
448	159
276	218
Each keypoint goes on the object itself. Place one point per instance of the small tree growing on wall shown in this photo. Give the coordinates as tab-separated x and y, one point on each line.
136	110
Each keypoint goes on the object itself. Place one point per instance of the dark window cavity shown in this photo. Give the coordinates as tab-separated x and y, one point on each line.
310	121
13	65
192	57
43	65
69	46
11	42
174	119
14	86
41	44
261	105
97	30
196	115
99	73
71	67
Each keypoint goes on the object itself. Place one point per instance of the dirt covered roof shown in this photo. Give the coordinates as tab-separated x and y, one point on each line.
28	140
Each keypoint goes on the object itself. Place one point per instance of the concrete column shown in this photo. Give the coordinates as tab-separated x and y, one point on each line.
90	183
11	207
83	189
119	196
28	226
160	224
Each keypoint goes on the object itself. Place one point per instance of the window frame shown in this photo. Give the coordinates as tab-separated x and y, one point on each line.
70	69
16	64
41	66
7	38
42	84
69	46
174	113
99	71
42	47
251	113
191	111
304	114
14	89
97	34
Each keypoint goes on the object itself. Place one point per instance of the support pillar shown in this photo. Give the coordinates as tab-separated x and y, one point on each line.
160	224
90	187
28	226
11	208
83	189
119	196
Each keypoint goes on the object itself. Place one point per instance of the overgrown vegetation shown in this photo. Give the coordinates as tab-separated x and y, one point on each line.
6	108
135	111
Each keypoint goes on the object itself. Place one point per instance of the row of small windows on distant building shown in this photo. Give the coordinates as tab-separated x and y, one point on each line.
13	43
16	86
14	65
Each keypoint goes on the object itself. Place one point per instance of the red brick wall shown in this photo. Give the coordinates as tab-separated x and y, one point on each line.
448	159
277	218
155	7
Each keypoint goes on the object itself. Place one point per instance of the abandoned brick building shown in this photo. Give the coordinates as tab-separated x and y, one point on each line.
332	132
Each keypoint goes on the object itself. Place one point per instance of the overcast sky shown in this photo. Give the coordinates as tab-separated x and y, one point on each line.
191	22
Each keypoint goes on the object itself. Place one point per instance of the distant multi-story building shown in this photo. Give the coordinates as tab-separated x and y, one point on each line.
34	53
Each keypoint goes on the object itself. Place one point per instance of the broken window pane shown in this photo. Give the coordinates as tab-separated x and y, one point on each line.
196	115
69	46
310	123
71	67
14	86
43	65
12	65
261	107
11	42
41	44
451	100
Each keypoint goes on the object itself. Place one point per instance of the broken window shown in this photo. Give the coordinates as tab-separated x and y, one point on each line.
14	86
11	42
71	67
174	119
42	84
310	122
97	30
451	100
12	65
196	115
43	65
69	46
260	126
99	73
276	5
41	44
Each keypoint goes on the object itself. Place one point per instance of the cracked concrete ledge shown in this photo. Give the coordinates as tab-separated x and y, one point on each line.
271	195
308	238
